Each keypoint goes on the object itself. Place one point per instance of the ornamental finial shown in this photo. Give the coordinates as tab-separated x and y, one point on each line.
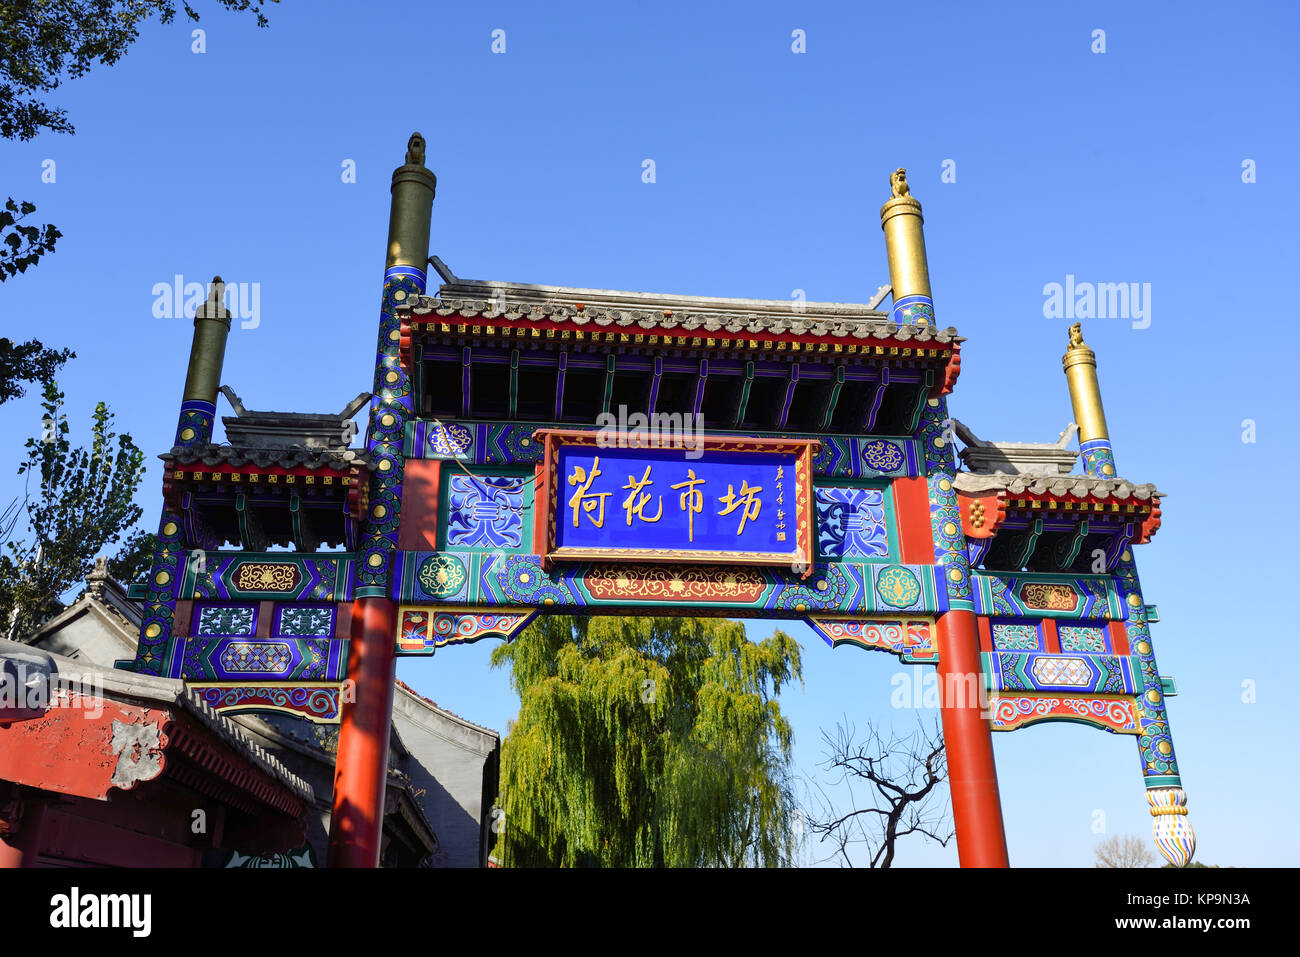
415	150
1076	335
898	184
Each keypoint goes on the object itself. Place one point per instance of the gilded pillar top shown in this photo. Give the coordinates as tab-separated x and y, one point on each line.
901	201
1078	351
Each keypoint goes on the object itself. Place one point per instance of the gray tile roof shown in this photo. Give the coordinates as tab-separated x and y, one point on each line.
610	310
313	458
1082	486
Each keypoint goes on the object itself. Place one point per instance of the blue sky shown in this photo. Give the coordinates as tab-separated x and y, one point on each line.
1123	166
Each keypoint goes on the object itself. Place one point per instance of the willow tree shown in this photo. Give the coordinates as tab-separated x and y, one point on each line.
647	742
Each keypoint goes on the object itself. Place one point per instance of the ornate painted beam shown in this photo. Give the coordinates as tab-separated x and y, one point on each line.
788	399
877	399
832	398
466	381
252	535
742	399
561	367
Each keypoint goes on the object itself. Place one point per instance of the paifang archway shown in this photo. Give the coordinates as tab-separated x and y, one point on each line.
536	449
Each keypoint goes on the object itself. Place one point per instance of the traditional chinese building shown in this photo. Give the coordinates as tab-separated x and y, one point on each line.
442	769
534	449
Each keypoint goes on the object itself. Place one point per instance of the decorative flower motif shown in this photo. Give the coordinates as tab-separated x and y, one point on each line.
897	586
883	456
453	439
441	575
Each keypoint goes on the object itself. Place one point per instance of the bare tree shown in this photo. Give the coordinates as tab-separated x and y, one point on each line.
898	779
1124	851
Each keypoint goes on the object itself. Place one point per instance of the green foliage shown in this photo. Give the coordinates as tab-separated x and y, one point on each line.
647	742
22	244
135	558
83	504
45	43
27	362
42	43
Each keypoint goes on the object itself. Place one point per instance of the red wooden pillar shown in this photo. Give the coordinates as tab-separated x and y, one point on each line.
361	771
968	738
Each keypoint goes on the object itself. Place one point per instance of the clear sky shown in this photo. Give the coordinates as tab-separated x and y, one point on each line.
771	165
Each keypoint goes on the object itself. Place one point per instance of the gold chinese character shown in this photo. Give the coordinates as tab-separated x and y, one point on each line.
748	497
581	498
635	507
695	498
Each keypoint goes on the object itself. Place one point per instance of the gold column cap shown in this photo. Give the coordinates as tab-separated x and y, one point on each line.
901	201
214	307
414	168
1079	352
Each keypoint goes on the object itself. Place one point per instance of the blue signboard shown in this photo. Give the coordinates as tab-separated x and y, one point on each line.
736	500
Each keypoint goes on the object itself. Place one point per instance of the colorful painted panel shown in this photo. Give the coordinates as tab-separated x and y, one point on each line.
1046	596
512	443
852	522
422	630
742	501
496	579
1089	638
489	512
262	659
305	621
225	619
315	702
1015	636
1113	714
912	640
269	575
1037	671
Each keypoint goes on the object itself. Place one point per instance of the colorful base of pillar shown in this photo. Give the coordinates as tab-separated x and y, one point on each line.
1098	458
1173	832
912	310
194	426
